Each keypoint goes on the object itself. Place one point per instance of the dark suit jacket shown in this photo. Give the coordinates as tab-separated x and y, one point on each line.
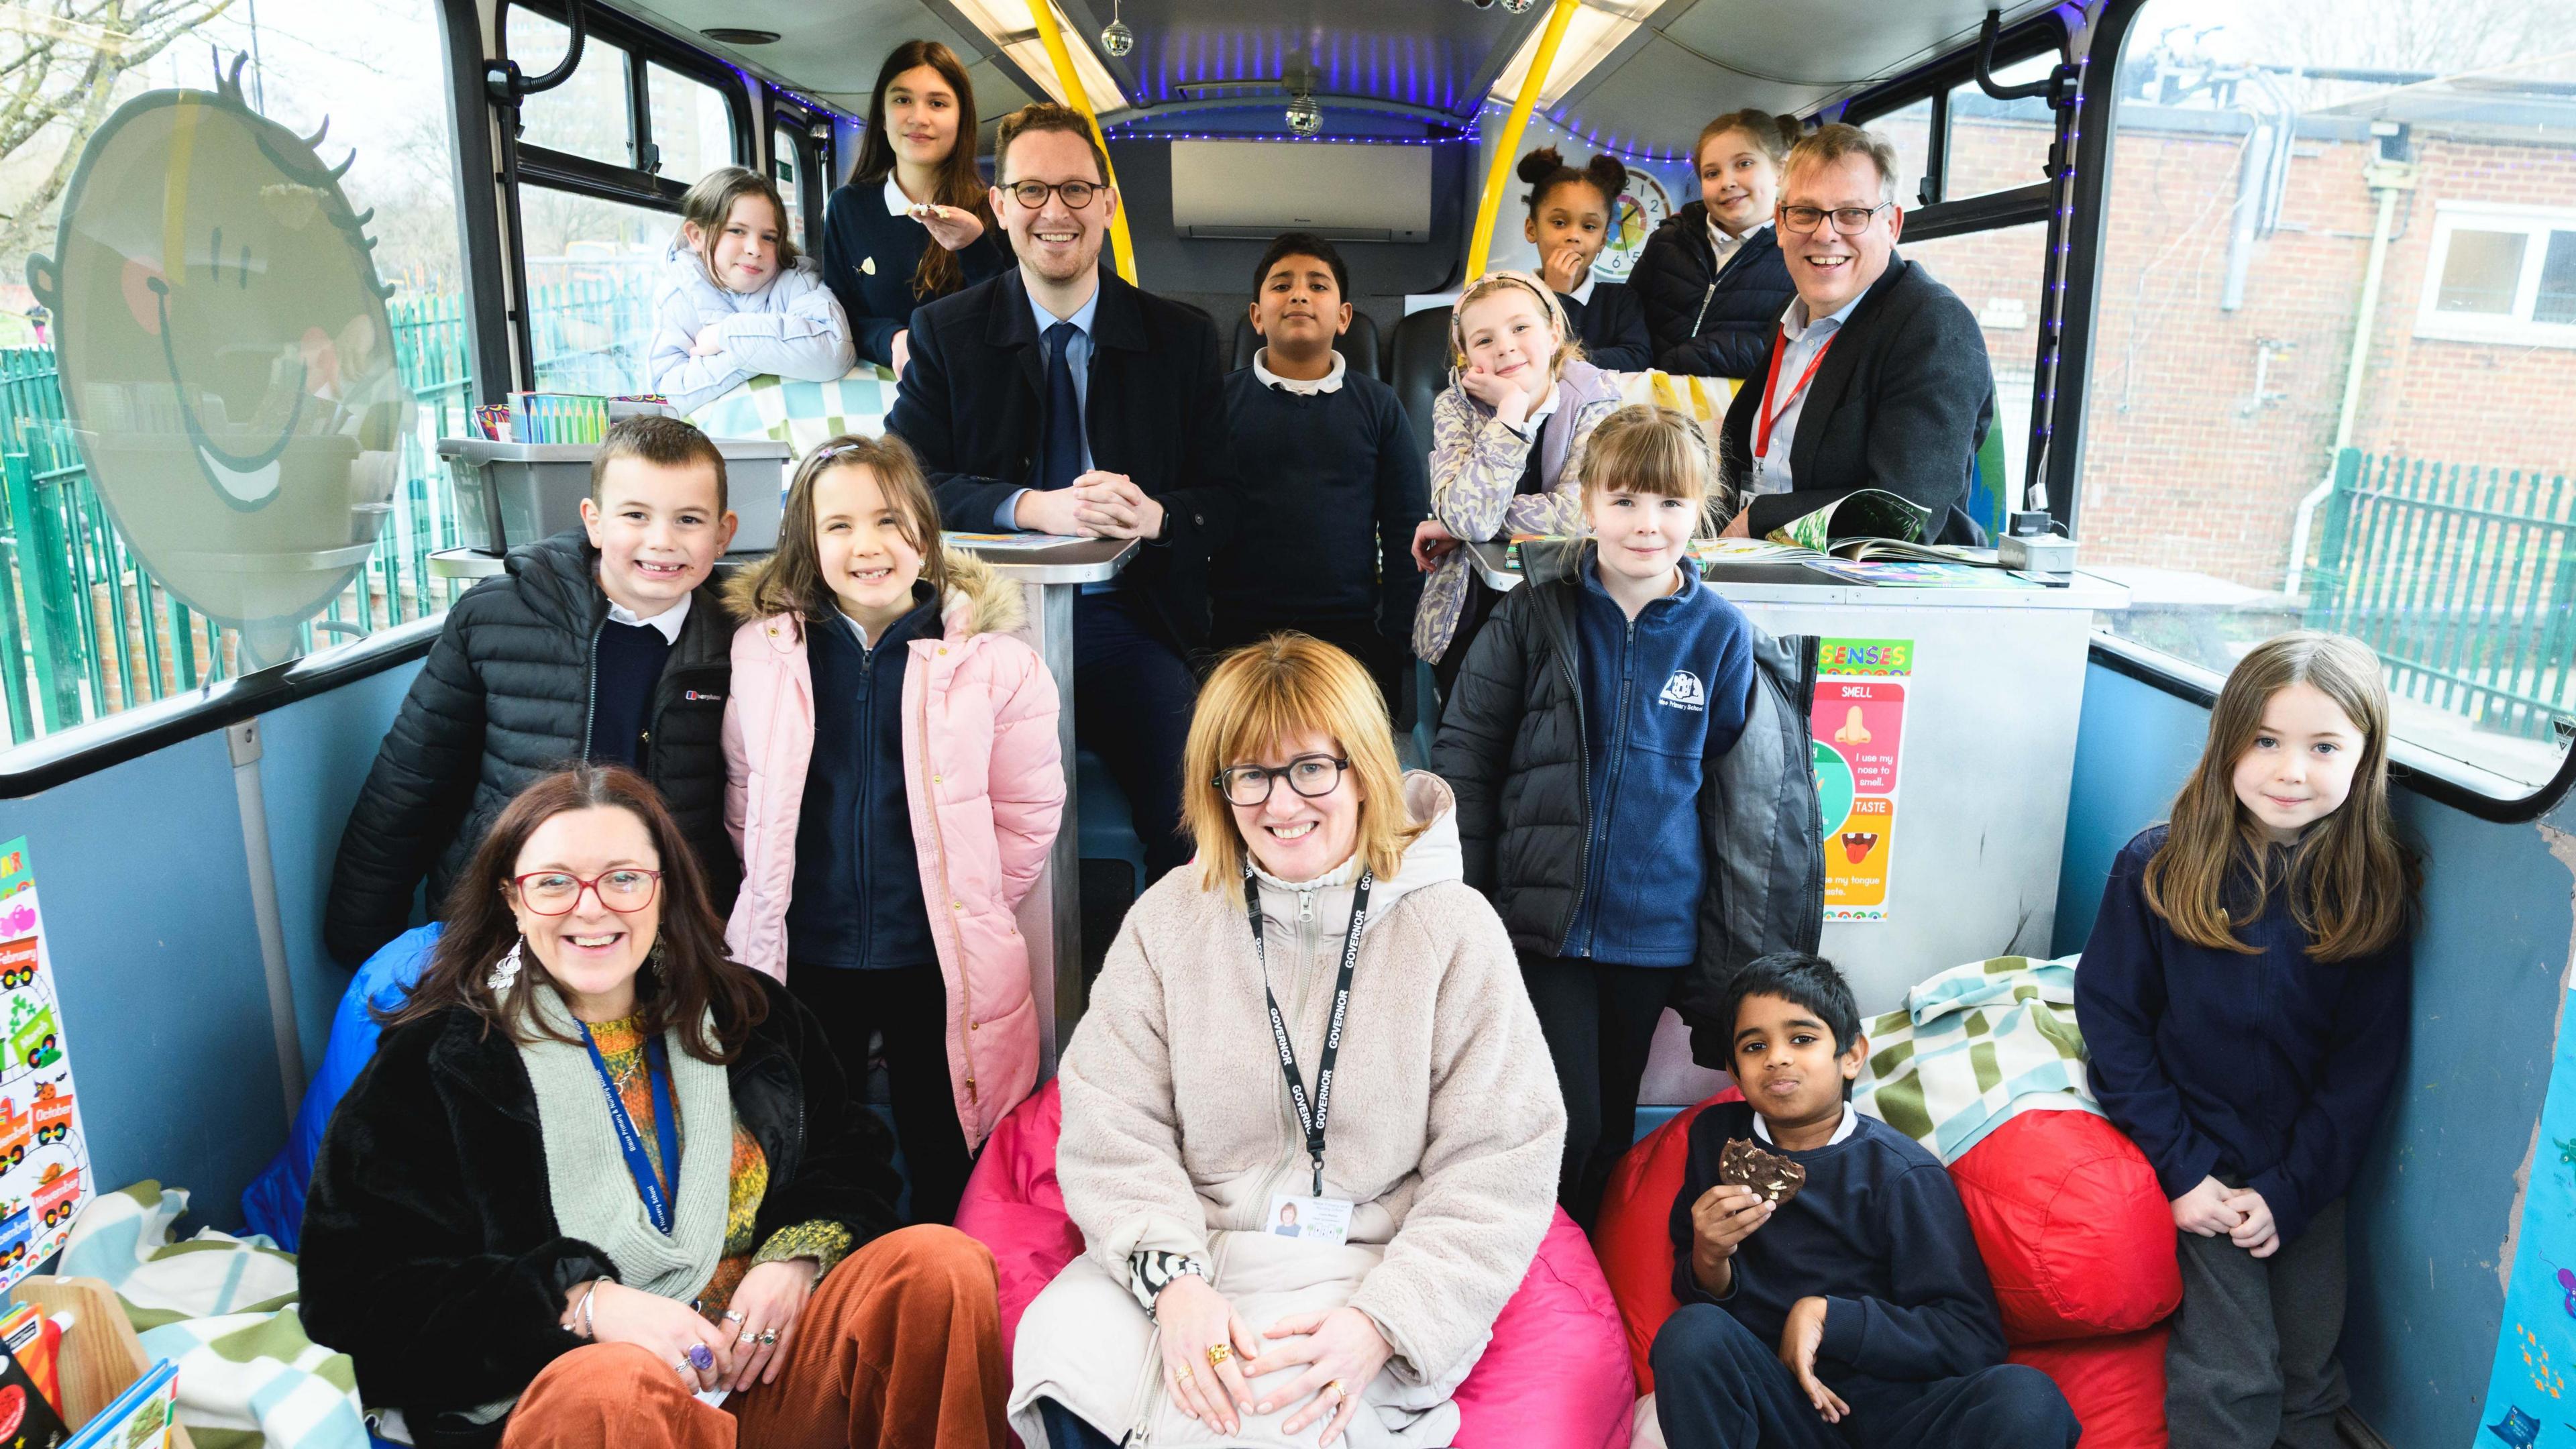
973	405
1901	403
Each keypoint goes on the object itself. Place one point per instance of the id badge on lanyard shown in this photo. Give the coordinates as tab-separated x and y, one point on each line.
1767	417
1314	1218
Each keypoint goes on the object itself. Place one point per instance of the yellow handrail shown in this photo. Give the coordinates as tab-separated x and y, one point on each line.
1042	14
1507	147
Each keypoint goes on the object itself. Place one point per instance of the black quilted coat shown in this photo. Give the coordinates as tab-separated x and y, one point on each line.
504	698
1703	325
1512	748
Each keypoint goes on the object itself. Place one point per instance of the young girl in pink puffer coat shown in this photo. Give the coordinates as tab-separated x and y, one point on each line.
893	785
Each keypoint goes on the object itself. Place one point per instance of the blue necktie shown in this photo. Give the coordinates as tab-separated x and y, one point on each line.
1061	462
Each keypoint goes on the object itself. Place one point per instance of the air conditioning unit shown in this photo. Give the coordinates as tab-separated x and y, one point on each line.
1343	191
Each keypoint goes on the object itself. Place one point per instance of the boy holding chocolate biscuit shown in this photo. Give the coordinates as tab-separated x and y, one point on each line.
1831	1290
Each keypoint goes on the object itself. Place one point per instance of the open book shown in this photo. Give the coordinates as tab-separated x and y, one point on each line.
1871	524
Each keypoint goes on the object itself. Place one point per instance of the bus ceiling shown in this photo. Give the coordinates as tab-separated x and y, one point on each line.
1626	68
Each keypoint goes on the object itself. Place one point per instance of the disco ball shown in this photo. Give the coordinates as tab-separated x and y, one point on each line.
1304	116
1117	39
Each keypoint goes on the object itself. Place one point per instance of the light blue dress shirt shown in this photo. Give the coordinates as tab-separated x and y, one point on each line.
1805	340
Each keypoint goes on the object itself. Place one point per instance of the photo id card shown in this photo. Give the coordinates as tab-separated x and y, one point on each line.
1310	1219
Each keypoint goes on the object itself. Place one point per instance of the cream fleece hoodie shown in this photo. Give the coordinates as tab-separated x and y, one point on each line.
1445	1130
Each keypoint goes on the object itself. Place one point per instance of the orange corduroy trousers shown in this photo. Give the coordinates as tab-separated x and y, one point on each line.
899	1348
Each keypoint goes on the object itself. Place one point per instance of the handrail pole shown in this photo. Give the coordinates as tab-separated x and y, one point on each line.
1508	145
1042	14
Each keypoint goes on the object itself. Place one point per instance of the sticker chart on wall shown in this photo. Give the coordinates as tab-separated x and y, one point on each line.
2528	1402
1858	731
44	1154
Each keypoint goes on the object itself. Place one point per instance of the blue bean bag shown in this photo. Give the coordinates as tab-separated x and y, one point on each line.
274	1201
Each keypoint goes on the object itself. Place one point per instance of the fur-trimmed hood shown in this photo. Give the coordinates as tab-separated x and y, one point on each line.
978	600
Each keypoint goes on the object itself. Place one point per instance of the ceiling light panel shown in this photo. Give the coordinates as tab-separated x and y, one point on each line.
1596	29
1010	27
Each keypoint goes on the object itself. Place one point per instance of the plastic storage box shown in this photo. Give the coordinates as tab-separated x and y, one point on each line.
508	494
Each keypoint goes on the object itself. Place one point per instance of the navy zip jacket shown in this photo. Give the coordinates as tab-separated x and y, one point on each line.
2269	1069
857	900
1705	325
1611	327
1332	488
1878	1233
1666	696
869	255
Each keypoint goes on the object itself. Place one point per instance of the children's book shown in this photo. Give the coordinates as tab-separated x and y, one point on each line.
1867	515
1008	542
1914	574
139	1418
27	1419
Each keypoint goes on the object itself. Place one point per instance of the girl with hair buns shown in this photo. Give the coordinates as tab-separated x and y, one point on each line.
1507	439
1711	280
1571	214
2244	1005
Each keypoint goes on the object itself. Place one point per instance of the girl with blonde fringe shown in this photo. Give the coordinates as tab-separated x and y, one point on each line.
893	785
2244	1001
1507	439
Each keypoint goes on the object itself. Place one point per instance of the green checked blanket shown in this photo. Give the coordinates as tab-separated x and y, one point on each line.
1975	1047
223	1309
803	415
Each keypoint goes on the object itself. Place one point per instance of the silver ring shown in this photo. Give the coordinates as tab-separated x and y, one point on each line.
768	1337
733	1315
683	1370
747	1337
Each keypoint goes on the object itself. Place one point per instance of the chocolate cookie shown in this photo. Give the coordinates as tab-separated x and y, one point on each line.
1776	1177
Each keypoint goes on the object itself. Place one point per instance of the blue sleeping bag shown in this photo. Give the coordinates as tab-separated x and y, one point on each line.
274	1201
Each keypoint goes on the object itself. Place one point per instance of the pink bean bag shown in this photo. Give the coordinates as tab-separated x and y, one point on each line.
1555	1375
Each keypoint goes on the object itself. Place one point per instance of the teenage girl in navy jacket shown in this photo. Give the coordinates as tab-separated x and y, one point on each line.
2244	999
913	223
1570	216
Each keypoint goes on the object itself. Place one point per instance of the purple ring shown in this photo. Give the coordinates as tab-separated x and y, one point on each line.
701	1357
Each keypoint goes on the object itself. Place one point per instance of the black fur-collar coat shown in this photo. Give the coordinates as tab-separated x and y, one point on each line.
431	1253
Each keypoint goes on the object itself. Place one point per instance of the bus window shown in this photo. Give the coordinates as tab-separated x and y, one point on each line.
592	264
587	115
1999	274
787	169
318	364
692	125
1998	145
1909	130
2335	329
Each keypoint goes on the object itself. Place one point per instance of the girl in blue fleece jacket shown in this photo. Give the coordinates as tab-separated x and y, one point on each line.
2244	1000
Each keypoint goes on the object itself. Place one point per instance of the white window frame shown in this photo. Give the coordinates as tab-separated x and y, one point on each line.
2534	222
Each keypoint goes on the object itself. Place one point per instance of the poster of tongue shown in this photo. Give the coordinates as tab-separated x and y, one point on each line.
44	1155
1858	731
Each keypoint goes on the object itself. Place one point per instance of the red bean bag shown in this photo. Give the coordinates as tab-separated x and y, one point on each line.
2116	1385
2073	1226
2068	1216
1552	1378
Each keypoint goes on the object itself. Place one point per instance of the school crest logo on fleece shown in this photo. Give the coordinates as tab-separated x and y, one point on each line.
1682	691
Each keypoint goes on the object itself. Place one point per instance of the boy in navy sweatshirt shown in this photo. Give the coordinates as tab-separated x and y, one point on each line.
1332	484
1854	1312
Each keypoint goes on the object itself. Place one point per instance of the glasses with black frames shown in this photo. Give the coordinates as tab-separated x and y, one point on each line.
1308	775
1033	194
1849	220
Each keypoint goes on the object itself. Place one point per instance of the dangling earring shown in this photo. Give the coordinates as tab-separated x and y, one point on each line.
654	958
505	970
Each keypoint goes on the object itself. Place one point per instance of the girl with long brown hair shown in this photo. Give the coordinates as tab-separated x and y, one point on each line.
735	301
893	781
2244	1001
597	1172
913	224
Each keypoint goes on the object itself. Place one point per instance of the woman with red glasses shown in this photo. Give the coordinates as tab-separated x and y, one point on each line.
603	1186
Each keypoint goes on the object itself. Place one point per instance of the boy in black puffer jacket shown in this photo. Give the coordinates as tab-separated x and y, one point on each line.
611	643
1630	759
1711	279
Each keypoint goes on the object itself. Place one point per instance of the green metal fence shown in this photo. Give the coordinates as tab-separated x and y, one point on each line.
2462	576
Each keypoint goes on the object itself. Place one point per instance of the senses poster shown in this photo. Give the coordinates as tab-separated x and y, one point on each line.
1858	736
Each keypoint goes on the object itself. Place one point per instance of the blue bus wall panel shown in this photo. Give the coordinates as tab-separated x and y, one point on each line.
316	756
2441	1191
146	896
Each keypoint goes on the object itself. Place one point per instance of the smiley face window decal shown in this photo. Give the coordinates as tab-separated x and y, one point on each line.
227	363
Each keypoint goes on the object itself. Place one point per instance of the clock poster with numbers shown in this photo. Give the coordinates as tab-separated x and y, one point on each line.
44	1155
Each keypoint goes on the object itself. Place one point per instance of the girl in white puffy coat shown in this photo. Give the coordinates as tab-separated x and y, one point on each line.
736	301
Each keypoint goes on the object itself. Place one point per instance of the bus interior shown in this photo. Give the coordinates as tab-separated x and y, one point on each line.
2280	301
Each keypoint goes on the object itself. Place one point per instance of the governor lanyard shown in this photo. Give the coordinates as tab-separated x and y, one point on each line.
1768	418
1310	1115
666	1128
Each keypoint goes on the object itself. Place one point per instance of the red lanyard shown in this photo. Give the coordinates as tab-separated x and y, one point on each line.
1767	418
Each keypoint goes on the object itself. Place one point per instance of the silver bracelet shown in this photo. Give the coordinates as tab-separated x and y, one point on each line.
583	1312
